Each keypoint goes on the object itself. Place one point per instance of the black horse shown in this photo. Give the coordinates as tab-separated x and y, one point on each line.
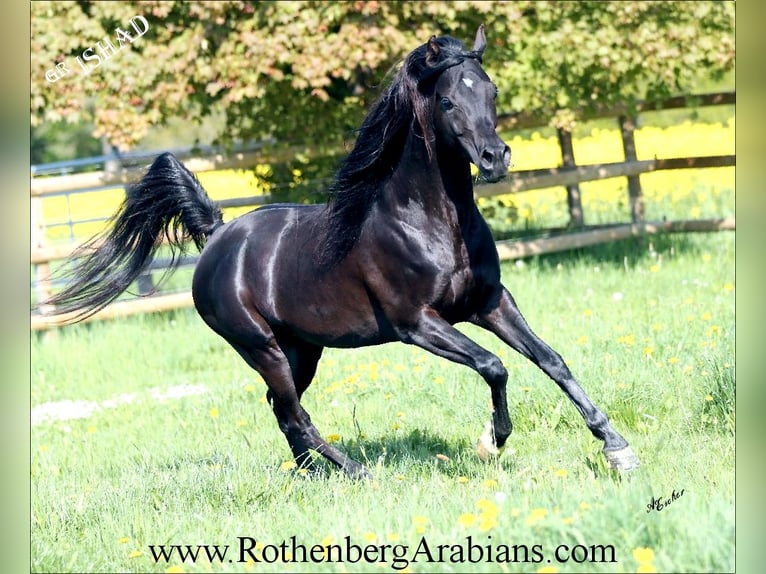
399	253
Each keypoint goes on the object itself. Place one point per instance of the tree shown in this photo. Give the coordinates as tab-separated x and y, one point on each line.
307	71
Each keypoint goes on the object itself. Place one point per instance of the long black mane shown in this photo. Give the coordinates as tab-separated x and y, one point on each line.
404	105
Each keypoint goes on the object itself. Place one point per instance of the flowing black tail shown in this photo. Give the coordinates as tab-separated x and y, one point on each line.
168	204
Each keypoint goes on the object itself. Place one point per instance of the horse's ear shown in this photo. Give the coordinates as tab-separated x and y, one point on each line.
481	41
432	51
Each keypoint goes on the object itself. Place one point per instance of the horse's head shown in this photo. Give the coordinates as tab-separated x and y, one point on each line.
465	116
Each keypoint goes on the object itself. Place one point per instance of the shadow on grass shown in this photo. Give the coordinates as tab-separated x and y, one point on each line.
419	453
420	450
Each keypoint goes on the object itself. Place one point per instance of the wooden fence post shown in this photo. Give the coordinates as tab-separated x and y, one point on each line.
636	198
573	190
145	284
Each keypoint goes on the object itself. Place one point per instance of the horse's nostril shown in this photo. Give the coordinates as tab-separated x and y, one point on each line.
487	157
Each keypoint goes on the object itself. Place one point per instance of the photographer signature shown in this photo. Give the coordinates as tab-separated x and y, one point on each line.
660	502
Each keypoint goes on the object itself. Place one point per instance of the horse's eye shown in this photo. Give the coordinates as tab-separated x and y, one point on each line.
447	105
496	92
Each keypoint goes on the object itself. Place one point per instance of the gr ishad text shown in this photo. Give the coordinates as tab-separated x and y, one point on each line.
103	50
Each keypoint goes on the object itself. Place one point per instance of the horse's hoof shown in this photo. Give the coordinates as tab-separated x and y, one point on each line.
486	447
623	459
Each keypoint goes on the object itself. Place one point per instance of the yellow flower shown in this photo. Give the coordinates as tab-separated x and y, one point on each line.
123	540
334	437
568	520
490	483
241	423
626	339
582	339
288	464
175	568
420	523
135	554
536	516
487	521
728	287
213	412
708	398
44	448
584	505
562	472
654	268
547	570
462	479
249	388
466	520
369	536
706	316
487	506
587	312
91	430
643	555
646	568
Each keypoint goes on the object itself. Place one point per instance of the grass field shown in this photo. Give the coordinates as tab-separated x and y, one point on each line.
150	431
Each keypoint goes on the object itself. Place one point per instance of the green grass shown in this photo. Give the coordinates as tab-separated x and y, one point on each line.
208	468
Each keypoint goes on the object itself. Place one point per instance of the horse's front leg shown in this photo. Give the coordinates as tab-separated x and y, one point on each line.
503	318
436	335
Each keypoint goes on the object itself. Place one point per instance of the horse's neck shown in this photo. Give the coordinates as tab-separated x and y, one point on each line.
434	182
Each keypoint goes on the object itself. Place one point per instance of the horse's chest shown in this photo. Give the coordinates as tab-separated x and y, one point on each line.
465	284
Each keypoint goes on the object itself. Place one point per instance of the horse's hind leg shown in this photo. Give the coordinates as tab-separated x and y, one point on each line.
288	369
303	359
278	370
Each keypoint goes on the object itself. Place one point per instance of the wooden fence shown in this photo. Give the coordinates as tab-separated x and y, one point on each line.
568	175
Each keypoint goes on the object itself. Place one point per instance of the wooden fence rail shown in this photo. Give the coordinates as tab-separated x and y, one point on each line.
569	175
563	176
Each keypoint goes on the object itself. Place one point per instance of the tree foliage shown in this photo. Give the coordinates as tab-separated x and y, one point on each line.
307	71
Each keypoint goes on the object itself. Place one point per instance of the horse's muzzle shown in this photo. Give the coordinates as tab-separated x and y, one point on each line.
494	162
